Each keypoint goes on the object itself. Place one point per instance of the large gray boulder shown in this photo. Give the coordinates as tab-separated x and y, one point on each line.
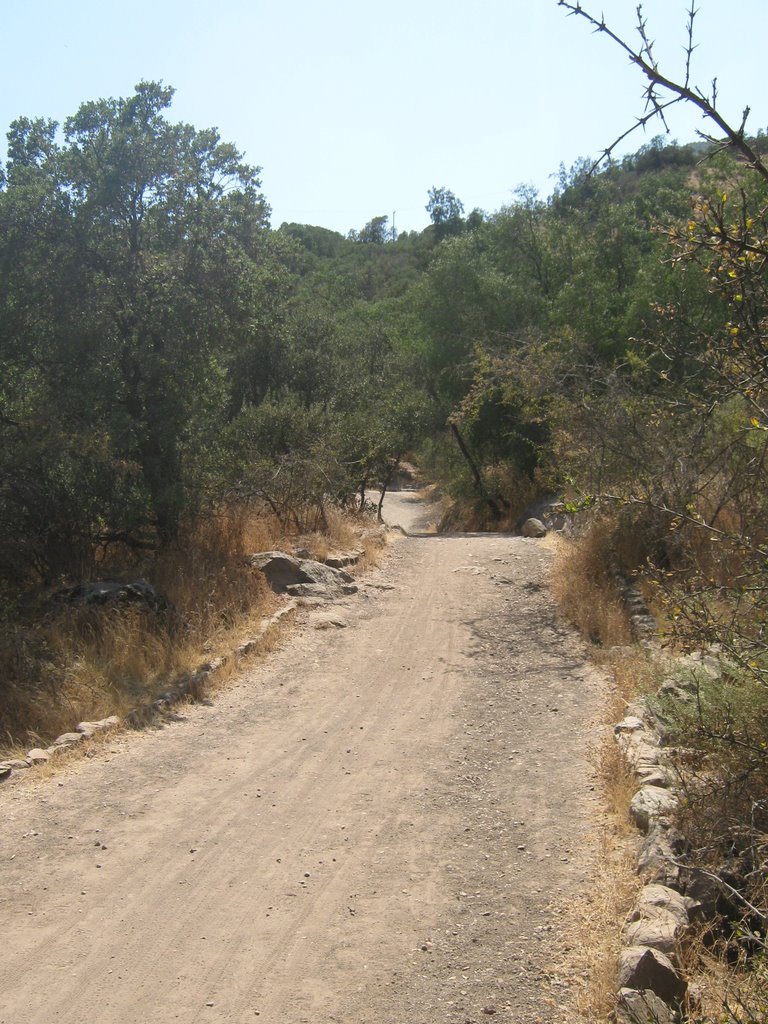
301	576
642	1007
642	968
658	919
533	528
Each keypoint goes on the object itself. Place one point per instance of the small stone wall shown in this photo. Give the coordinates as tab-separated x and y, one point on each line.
651	986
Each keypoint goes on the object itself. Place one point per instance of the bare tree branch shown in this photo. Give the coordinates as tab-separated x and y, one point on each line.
643	58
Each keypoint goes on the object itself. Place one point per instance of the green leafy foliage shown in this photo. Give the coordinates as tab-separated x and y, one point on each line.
134	254
162	346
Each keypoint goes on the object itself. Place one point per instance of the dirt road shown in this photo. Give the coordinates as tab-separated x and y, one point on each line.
369	827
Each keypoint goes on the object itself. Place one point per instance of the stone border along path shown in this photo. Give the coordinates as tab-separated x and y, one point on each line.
193	684
649	980
189	686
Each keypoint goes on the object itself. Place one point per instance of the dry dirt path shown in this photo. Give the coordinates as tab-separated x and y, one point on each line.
369	827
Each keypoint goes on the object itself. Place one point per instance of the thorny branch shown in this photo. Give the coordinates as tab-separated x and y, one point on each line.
642	57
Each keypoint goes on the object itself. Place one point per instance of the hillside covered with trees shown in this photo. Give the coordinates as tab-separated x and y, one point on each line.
166	354
165	350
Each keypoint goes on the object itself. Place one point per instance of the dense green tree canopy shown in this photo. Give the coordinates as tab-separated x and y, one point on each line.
158	337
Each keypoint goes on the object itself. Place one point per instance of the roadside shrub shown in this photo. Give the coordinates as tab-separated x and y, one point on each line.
584	586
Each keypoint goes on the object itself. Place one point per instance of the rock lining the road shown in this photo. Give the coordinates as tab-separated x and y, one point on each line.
191	685
296	578
673	894
648	970
305	577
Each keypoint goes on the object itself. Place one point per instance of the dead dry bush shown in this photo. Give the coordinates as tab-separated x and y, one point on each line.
721	990
78	665
584	587
507	493
592	929
341	532
70	664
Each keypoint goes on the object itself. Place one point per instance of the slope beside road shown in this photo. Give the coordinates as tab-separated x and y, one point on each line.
372	825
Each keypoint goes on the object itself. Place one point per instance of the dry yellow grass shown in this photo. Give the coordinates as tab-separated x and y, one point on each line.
342	533
594	922
585	591
82	664
590	926
591	930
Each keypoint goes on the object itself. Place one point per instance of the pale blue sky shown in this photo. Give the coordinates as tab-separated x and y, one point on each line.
356	109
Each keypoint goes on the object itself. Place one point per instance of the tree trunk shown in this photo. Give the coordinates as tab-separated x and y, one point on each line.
385	484
479	485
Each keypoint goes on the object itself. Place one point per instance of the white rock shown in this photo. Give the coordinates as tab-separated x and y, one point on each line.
38	756
629	724
650	803
639	753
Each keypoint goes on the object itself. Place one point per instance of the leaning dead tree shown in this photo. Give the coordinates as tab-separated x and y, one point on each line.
663	92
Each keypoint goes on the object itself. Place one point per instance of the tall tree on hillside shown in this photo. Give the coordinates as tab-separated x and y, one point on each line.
136	254
375	232
445	211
